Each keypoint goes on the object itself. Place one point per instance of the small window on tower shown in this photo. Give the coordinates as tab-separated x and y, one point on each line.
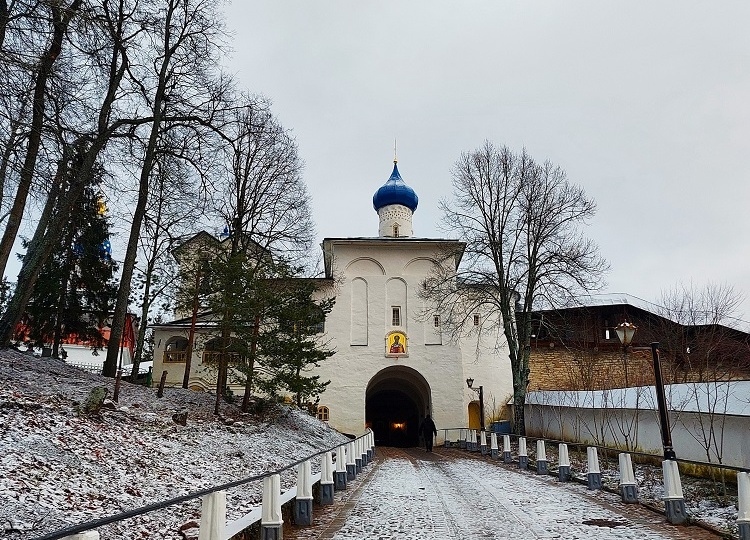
396	316
395	231
476	319
436	321
323	413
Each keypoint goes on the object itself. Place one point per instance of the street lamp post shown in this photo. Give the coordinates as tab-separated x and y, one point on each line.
625	332
666	435
480	391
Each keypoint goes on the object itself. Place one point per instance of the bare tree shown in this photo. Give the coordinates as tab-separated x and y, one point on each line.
85	117
264	201
59	16
707	352
180	87
521	222
170	214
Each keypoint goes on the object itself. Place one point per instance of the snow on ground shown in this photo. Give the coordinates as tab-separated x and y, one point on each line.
58	468
711	502
440	497
87	358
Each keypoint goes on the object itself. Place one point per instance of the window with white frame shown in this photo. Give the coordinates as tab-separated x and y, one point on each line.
396	316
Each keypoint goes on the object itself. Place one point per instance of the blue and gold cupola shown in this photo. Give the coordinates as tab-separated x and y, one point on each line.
395	202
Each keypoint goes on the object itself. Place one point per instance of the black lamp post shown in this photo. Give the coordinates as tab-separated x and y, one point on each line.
625	332
480	391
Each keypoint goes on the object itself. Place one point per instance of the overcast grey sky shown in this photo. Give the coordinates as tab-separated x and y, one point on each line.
646	105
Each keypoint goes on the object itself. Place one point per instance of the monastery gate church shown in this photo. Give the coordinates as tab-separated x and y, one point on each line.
394	362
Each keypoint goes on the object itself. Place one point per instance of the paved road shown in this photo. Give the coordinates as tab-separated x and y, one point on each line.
445	495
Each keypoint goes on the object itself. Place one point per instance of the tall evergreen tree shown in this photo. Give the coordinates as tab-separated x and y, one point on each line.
294	346
269	325
75	291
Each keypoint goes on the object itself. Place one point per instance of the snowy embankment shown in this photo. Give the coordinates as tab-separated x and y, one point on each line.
58	468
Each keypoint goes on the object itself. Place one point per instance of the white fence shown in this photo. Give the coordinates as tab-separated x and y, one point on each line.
213	524
709	421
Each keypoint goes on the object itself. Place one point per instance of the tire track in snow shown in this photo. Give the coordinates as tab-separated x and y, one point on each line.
422	496
478	504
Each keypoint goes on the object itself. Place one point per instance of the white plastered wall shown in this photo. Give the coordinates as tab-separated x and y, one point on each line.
371	264
444	365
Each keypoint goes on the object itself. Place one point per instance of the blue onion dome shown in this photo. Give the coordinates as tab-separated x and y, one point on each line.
395	191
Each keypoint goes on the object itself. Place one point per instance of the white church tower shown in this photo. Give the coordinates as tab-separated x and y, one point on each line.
395	361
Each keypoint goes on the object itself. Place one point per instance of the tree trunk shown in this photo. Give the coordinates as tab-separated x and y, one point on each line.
128	265
123	293
141	338
251	365
191	334
8	152
299	394
46	237
61	304
4	17
49	228
61	19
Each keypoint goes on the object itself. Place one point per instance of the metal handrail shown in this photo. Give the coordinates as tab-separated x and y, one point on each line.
93	524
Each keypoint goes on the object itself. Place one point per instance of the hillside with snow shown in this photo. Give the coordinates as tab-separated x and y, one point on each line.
59	468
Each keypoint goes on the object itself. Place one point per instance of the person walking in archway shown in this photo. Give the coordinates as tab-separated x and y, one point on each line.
428	431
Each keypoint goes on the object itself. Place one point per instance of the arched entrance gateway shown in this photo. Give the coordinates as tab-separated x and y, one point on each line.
396	401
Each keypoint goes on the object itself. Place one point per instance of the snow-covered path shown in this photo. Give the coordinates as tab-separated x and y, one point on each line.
443	495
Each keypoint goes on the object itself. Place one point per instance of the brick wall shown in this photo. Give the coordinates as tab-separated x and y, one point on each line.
558	368
565	368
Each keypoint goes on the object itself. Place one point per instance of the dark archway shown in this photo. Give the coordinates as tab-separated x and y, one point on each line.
397	400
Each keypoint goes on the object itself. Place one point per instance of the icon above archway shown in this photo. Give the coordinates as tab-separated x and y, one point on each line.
396	345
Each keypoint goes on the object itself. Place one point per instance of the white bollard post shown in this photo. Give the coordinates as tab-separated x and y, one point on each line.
542	467
363	450
339	475
493	445
743	505
462	439
506	449
303	502
483	443
351	464
628	486
563	470
86	535
356	445
326	479
371	446
213	516
674	501
271	521
594	475
523	458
